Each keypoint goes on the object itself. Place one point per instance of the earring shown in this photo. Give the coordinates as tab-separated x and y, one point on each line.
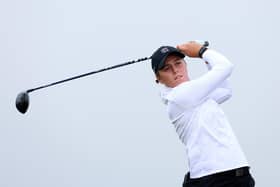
157	81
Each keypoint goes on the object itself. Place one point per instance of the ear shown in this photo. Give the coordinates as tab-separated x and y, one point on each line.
157	78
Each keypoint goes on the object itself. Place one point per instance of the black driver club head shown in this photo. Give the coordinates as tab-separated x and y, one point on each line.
22	102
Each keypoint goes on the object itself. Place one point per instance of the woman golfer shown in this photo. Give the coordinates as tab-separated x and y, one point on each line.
214	155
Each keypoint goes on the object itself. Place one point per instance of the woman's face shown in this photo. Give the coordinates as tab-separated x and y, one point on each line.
174	72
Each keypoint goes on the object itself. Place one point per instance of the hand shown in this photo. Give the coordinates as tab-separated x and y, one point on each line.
191	49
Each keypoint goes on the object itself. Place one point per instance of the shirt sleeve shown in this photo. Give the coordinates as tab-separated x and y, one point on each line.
223	92
192	93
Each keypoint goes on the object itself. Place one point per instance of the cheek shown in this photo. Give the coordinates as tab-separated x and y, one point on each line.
165	78
185	70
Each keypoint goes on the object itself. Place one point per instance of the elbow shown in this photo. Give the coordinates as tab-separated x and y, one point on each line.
230	68
226	68
228	65
225	97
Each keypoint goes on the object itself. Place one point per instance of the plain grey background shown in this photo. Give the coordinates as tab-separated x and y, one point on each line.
111	129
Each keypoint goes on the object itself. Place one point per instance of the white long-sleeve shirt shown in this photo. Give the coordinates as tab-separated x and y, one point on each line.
193	108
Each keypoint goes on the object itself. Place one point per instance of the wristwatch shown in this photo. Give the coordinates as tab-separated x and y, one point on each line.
202	50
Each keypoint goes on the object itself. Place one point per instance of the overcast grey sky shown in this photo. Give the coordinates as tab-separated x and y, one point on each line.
111	129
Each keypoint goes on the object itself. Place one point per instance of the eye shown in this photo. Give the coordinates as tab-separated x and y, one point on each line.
178	62
166	68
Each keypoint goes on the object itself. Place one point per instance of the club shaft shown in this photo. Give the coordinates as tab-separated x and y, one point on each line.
89	73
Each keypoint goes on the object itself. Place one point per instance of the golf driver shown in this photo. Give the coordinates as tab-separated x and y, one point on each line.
22	100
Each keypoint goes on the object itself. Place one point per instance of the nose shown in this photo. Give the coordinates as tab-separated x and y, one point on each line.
174	69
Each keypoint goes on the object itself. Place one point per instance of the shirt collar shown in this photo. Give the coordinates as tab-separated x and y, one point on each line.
164	91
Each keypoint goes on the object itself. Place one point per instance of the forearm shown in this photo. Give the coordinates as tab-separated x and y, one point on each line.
192	92
225	84
214	59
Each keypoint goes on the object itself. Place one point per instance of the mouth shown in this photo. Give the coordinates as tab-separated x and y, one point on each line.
178	77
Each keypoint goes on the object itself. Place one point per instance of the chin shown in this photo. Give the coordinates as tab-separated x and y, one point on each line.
177	83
